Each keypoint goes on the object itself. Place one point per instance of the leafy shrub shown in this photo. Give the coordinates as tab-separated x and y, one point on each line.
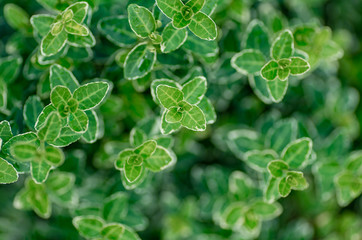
170	119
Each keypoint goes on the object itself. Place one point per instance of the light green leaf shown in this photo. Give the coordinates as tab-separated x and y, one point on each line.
172	38
173	115
118	231
159	160
23	151
284	187
32	108
169	96
233	216
16	17
39	170
298	66
51	45
9	68
257	37
3	95
54	156
271	193
194	90
59	75
182	19
43	116
122	158
28	137
259	160
141	20
169	7
78	121
8	174
348	187
281	134
79	10
42	23
38	198
132	172
195	5
139	61
89	226
72	27
115	207
297	152
248	61
270	70
137	136
60	95
203	26
208	109
90	136
5	131
283	73
91	95
66	137
201	47
194	119
146	149
59	183
168	128
296	180
157	82
277	89
266	211
277	168
81	41
51	128
283	46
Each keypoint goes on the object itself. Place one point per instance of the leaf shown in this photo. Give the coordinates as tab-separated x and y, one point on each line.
118	231
146	149
259	160
270	70
51	45
284	187
348	187
283	46
28	137
173	115
66	137
60	183
182	19
117	30
122	158
277	168
169	7
159	160
248	61
208	109
139	61
158	82
194	119
277	89
233	215
137	136
266	211
8	174
90	136
168	128
203	26
296	180
141	20
91	95
38	198
283	73
169	96
32	109
257	37
51	128
201	47
23	151
272	190
89	226
72	27
132	172
194	90
297	152
63	77
43	116
60	95
16	17
115	207
81	41
3	95
172	38
54	156
195	5
5	131
39	170
79	10
281	134
9	68
78	121
42	23
298	66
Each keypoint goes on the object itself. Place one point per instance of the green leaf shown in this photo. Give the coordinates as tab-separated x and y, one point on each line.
348	187
59	75
208	109
60	95
39	170
118	231
51	45
233	215
23	151
72	27
79	10
195	5
296	180
158	82
284	187
283	46
89	226
248	61
78	121
28	137
137	136
269	70
51	128
203	26
259	160
90	136
298	66
159	160
132	172
194	119
91	95
66	137
297	152
42	23
3	95
194	90
266	211
38	198
168	128
54	156
9	68
172	38
60	182
281	134
283	73
183	18
257	37
173	115
81	41
43	116
141	20
277	168
8	174
32	108
169	96
272	190
5	131
115	207
122	158
169	7
139	61
277	89
16	17
146	149
117	30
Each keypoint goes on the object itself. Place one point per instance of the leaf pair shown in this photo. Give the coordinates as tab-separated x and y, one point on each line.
135	162
66	27
189	15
